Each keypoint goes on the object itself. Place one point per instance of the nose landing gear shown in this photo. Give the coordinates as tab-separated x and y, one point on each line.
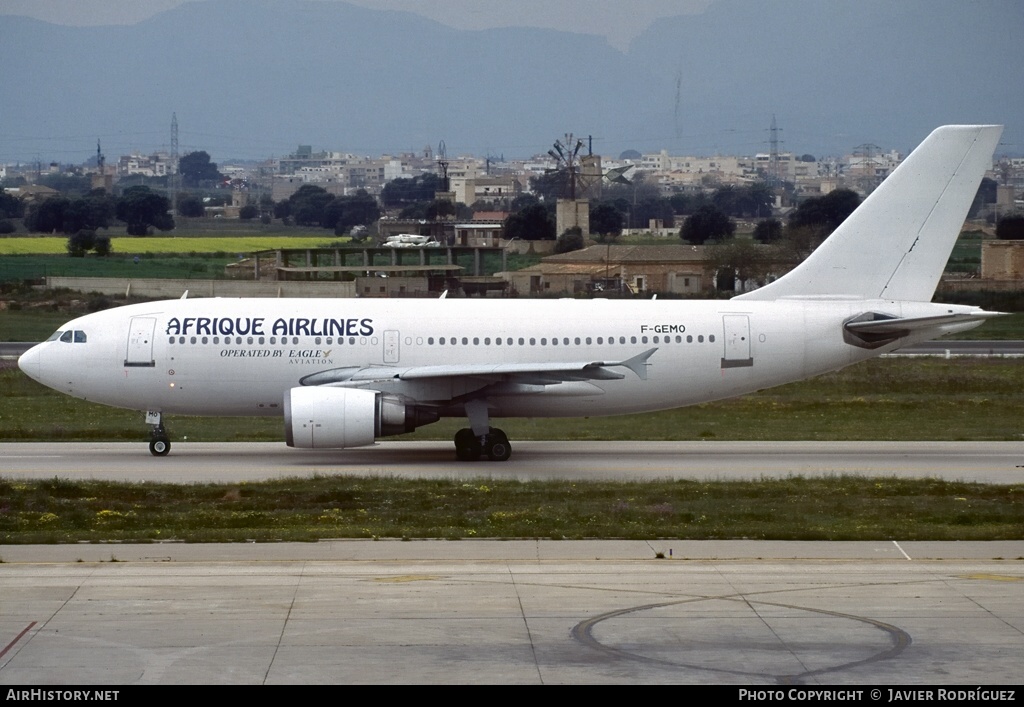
159	440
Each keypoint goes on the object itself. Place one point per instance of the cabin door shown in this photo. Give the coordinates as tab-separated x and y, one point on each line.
736	330
391	346
140	342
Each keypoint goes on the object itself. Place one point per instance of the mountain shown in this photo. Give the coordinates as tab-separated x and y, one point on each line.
251	78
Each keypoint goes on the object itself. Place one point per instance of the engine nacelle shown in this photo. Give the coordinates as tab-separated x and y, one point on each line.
334	418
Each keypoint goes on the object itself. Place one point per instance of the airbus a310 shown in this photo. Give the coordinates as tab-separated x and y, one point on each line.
345	372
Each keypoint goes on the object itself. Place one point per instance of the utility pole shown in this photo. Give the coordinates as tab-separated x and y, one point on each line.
172	178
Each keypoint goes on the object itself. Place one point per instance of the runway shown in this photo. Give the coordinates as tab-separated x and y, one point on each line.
659	611
518	612
987	462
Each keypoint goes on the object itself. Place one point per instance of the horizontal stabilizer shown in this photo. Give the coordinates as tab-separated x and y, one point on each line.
898	325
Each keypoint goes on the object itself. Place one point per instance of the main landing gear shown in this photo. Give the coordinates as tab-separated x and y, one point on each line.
480	439
469	447
159	441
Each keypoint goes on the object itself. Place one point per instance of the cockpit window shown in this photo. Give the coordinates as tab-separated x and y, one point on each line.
77	336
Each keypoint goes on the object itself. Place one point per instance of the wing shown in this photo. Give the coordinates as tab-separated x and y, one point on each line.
445	383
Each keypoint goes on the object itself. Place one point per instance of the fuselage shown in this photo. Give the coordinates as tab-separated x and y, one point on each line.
241	356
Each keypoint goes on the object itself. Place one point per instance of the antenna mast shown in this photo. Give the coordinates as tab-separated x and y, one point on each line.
172	178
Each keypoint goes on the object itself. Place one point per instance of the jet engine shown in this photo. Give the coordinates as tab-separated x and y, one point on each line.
326	418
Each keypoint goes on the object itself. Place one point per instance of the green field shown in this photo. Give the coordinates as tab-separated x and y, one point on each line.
57	245
796	508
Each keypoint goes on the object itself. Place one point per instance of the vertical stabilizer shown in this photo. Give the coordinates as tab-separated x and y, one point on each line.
895	245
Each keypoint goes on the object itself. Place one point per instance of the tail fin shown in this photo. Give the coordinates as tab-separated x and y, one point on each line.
895	245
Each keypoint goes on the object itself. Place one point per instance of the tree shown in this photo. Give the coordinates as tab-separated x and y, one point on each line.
10	206
102	246
570	240
747	201
606	222
739	259
522	201
345	212
307	205
1011	228
441	208
986	195
196	168
687	203
248	212
47	216
190	206
81	243
768	230
706	223
141	207
94	211
403	192
825	213
533	223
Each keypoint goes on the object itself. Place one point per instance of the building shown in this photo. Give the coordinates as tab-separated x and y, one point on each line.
668	269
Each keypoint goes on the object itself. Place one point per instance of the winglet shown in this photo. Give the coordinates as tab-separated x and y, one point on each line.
638	364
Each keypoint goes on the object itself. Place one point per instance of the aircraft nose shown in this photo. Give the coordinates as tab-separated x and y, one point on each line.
30	362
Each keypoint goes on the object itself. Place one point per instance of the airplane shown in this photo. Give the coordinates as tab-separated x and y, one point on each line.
343	373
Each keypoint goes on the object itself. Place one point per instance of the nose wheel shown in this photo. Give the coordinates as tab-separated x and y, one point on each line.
159	441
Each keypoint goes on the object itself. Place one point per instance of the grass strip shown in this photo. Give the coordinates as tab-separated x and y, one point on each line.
796	508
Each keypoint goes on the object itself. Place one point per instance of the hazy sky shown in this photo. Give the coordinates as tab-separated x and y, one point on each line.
618	20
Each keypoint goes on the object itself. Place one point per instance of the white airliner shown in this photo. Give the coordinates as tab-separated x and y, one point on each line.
344	372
